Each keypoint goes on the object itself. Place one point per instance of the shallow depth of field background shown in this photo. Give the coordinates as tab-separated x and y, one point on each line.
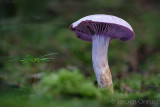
39	27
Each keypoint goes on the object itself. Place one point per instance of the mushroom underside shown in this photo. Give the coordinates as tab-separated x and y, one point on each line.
86	29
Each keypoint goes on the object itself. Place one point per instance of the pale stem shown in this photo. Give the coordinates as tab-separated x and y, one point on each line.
100	46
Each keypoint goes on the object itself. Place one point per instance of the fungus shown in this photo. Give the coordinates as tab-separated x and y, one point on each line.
101	29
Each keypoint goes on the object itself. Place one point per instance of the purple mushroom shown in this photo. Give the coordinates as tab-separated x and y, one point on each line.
101	29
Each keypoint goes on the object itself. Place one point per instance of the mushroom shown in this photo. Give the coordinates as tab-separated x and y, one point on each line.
101	29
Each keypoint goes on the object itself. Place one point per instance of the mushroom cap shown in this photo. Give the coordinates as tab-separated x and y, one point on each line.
103	25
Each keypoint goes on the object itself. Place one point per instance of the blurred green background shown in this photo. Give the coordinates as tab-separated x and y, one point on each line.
39	27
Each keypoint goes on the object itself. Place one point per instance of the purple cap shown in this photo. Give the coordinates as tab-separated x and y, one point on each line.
105	25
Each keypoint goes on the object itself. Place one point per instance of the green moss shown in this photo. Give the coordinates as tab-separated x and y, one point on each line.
67	83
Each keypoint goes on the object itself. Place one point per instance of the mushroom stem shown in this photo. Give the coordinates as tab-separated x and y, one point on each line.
100	45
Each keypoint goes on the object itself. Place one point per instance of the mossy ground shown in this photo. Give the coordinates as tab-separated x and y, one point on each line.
70	88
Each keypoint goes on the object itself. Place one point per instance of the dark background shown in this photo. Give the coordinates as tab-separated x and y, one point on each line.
39	27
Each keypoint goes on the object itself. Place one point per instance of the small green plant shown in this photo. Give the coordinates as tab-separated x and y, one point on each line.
35	60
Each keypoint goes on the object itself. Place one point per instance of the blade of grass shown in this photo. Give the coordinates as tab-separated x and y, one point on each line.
48	55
